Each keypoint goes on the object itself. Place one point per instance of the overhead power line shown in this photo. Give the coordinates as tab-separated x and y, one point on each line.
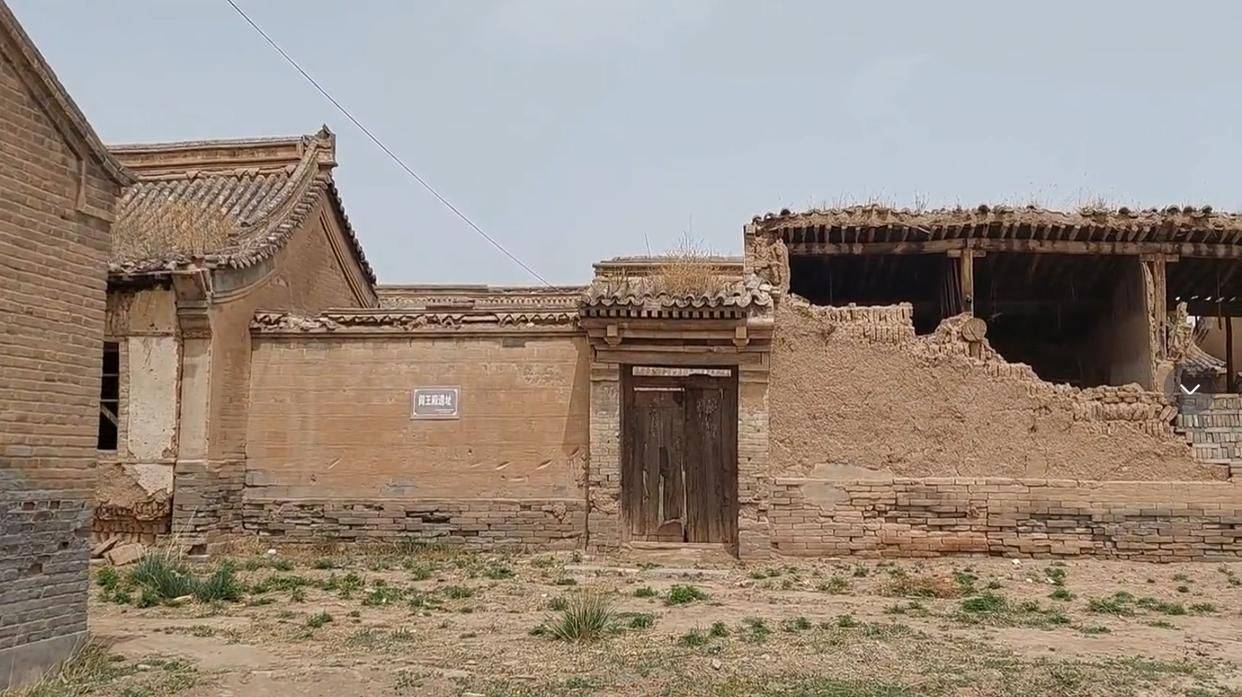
380	144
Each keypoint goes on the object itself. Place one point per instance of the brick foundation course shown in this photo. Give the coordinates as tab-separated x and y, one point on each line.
1143	521
485	523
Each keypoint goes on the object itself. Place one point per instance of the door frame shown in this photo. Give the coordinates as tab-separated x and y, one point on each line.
723	377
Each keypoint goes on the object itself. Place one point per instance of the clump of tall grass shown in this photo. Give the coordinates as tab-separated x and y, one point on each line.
587	616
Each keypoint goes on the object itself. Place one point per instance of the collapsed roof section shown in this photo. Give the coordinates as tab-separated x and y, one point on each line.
222	203
1185	231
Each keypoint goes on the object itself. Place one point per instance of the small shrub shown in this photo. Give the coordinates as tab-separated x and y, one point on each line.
642	620
683	594
421	571
835	585
107	578
1095	629
994	584
1203	608
457	592
297	595
148	598
645	592
965	581
693	638
318	620
565	581
1162	624
558	603
860	571
1061	594
1183	589
846	621
719	629
588	616
164	576
221	585
797	624
324	563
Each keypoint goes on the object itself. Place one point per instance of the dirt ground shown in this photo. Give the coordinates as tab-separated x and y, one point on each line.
428	621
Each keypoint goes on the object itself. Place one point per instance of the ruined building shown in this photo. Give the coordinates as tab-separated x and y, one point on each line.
58	189
862	381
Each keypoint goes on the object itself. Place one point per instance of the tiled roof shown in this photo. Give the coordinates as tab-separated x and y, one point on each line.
479	296
656	286
224	203
876	223
64	111
1200	362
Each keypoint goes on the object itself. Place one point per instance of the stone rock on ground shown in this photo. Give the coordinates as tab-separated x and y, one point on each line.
100	549
126	554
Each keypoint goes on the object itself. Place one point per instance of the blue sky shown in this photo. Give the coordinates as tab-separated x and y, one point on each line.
575	130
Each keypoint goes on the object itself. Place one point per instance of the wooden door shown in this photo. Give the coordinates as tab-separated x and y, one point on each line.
679	472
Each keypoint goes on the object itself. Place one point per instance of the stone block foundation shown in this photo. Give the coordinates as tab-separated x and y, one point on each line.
1145	521
486	523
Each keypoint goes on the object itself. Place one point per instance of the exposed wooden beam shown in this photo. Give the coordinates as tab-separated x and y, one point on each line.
1184	249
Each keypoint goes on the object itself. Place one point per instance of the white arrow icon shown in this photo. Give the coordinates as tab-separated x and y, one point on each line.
1196	389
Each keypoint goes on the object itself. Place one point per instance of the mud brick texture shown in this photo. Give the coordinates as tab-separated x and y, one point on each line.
1147	521
485	523
56	199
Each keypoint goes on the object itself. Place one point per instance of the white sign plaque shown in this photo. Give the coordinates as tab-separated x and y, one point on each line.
435	403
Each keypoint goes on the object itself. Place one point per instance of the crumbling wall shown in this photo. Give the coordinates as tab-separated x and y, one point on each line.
854	393
329	425
134	483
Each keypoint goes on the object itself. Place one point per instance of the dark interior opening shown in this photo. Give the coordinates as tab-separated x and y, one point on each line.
1212	291
1074	318
926	281
109	396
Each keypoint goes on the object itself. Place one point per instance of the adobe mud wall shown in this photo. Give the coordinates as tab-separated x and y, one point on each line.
1147	521
135	481
855	394
332	449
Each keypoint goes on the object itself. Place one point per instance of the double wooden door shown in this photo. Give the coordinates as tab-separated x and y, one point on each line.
679	455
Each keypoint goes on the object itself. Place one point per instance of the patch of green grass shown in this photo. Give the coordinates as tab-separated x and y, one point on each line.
645	592
420	570
641	620
588	617
1061	594
457	592
1161	606
985	603
383	595
1162	624
1120	603
221	585
297	595
755	629
558	603
834	585
1095	629
565	581
325	563
692	639
108	578
965	580
683	594
318	620
797	624
846	621
163	576
1056	574
1203	608
498	572
719	629
995	609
